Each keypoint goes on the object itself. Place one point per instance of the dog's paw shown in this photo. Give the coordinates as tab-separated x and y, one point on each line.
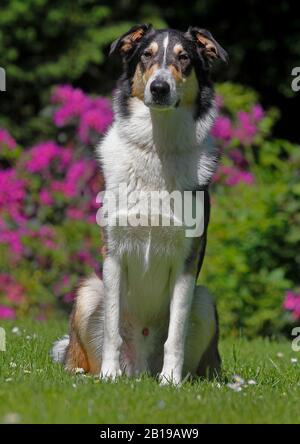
169	378
110	372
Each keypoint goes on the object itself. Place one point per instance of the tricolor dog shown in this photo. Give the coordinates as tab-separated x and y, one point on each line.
147	314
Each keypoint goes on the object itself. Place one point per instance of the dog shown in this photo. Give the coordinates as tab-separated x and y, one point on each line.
147	314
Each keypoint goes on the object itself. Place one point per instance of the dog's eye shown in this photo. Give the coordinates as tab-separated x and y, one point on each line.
183	57
147	54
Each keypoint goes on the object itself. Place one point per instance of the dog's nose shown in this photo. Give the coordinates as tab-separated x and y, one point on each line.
159	88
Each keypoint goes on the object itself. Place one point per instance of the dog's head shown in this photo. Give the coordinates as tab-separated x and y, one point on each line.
167	68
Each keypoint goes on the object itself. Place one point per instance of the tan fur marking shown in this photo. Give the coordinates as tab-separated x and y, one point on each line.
148	73
175	73
130	39
153	47
138	34
178	48
138	85
209	46
76	356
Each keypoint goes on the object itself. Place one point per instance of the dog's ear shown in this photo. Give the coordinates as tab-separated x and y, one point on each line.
207	45
128	41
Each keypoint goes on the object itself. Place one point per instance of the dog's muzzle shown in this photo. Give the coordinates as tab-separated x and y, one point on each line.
160	91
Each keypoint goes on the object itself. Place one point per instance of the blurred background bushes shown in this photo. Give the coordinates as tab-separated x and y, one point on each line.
253	254
46	42
49	180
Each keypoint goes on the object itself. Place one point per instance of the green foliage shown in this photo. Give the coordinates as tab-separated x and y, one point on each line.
244	265
254	237
46	42
237	97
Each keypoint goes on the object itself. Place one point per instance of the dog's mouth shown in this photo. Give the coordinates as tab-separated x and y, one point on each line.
162	103
161	106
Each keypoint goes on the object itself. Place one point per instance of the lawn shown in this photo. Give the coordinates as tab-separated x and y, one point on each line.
34	390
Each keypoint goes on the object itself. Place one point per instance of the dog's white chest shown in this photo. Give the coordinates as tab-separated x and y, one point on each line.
143	159
149	255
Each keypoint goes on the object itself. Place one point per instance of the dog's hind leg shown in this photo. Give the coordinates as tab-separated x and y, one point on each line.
201	353
84	347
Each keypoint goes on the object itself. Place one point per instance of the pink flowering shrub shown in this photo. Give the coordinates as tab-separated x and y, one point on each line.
94	115
237	133
48	232
6	139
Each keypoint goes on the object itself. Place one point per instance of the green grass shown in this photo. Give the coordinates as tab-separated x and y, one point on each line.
34	390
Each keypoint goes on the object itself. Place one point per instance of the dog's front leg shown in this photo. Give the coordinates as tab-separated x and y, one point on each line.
179	315
112	341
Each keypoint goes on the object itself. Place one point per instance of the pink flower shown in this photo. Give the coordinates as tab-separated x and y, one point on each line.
15	212
75	213
79	173
62	94
233	176
246	129
47	237
257	113
57	186
222	128
94	119
65	157
240	177
86	257
6	139
69	297
13	240
45	231
92	115
7	312
12	189
49	243
13	291
73	101
292	304
46	198
238	158
41	155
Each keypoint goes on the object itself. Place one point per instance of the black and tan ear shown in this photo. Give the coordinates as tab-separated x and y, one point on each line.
208	46
128	41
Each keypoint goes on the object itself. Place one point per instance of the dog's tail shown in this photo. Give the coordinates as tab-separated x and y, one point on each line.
59	350
82	347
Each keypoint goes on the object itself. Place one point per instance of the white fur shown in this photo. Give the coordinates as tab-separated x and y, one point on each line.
58	351
143	275
179	312
112	341
162	74
165	45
